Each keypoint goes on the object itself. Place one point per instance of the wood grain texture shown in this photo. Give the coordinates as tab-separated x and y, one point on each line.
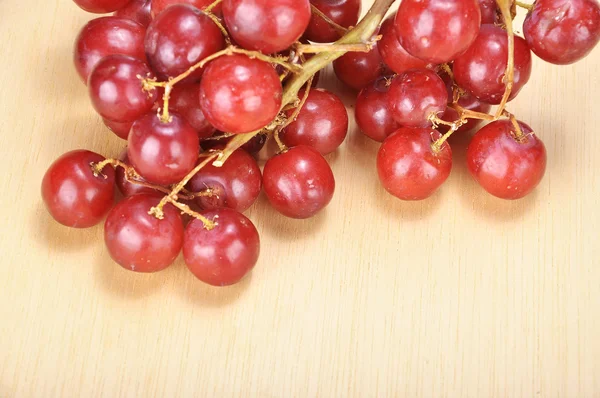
462	295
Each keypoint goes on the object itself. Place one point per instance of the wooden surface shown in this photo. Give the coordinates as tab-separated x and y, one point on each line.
462	295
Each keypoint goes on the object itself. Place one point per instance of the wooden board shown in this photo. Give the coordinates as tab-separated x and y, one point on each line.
462	295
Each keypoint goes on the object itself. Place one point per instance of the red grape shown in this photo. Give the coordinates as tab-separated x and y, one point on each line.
373	113
224	255
299	183
136	10
409	168
437	31
469	102
73	195
504	166
343	12
128	188
107	36
563	31
392	52
236	184
357	69
322	122
185	101
415	95
481	69
488	10
239	94
101	6
180	37
268	26
116	89
159	5
121	129
163	153
139	241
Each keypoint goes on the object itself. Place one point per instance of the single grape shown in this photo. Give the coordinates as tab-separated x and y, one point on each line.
116	90
268	26
239	94
415	95
504	166
392	52
128	188
437	31
225	254
481	69
73	195
235	185
163	153
343	12
180	37
140	242
120	129
136	10
469	102
159	5
184	100
107	36
562	31
357	69
409	168
322	122
299	183
373	112
489	11
101	6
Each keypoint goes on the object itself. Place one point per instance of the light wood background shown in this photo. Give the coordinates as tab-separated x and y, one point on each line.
462	295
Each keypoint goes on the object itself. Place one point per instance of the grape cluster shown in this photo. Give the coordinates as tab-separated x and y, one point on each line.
196	87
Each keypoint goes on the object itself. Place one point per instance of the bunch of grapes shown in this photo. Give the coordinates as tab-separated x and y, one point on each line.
196	87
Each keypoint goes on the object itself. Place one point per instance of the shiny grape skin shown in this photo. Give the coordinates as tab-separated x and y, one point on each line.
107	36
392	52
225	254
73	195
185	101
407	166
140	242
138	11
415	95
235	185
489	11
180	37
128	188
159	5
503	166
322	122
101	6
163	153
343	12
267	26
299	183
357	69
563	31
116	90
239	94
480	70
372	110
437	31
